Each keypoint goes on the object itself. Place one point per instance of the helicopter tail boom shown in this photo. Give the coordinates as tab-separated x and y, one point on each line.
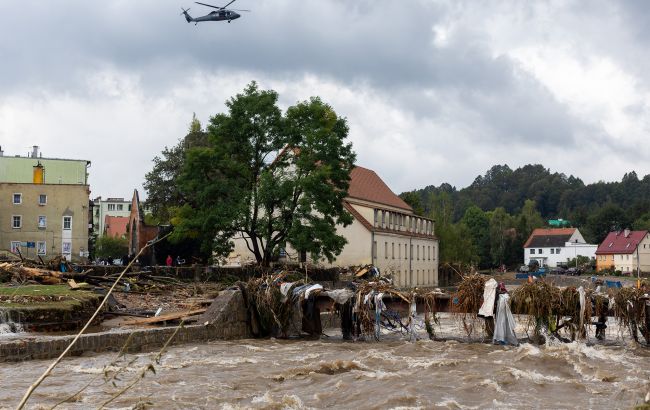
187	15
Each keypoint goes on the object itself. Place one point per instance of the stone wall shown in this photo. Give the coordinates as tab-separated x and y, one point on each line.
227	320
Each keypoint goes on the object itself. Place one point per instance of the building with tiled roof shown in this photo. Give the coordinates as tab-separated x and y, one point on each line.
115	226
385	233
621	250
556	246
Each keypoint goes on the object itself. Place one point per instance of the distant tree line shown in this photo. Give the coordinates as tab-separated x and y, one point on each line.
488	222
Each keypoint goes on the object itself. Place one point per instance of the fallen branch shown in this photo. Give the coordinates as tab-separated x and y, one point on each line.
72	343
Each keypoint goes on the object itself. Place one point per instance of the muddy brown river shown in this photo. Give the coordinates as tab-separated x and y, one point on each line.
332	373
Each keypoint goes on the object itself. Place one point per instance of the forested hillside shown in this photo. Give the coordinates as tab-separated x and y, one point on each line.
488	221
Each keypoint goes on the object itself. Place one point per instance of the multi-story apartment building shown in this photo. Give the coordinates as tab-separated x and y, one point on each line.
44	206
385	233
109	207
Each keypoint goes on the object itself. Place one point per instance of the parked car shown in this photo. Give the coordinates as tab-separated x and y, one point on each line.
524	268
574	271
559	270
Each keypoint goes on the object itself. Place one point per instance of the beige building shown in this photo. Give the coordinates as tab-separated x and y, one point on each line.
384	232
44	216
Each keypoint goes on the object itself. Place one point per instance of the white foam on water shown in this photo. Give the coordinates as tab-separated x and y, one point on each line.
428	363
534	376
453	404
493	384
288	401
208	360
233	406
266	398
80	368
310	356
256	348
377	374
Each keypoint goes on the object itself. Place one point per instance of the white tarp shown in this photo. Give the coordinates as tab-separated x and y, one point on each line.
504	325
489	293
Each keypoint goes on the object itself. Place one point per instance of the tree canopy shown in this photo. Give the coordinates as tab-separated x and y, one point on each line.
269	178
517	201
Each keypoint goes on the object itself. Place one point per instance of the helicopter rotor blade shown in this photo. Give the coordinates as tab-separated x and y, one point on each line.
229	4
209	5
238	10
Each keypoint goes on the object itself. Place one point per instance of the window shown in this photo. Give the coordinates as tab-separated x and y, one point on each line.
67	223
532	251
385	250
42	221
418	252
16	221
18	199
111	207
411	251
129	207
399	250
392	250
42	199
41	248
539	251
557	251
552	251
67	248
15	246
120	207
429	250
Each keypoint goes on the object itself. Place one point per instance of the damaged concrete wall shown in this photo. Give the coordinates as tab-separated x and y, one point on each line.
226	319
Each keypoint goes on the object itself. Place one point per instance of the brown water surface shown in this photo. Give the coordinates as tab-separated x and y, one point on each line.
331	373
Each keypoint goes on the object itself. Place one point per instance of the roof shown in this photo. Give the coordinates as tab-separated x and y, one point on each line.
115	225
617	242
549	237
366	185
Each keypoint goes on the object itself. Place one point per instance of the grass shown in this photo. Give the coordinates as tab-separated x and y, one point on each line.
38	290
43	297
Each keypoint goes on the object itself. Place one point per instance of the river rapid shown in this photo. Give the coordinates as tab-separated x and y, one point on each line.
332	373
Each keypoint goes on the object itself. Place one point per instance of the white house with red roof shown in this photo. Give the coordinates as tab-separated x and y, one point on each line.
385	233
554	247
624	251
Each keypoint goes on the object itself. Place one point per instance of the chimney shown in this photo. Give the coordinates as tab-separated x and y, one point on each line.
626	233
39	173
35	151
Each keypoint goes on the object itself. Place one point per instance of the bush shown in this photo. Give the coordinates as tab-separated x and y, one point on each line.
107	246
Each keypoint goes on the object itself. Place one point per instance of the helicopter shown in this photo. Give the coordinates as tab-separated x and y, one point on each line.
220	14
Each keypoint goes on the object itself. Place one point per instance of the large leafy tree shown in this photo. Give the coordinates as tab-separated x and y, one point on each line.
269	178
478	225
161	183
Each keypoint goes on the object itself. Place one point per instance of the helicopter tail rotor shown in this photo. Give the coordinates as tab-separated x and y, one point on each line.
187	16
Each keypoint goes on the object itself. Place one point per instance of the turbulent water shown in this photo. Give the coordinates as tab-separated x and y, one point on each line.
392	373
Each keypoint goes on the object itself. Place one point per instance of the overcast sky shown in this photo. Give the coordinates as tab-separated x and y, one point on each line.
434	91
